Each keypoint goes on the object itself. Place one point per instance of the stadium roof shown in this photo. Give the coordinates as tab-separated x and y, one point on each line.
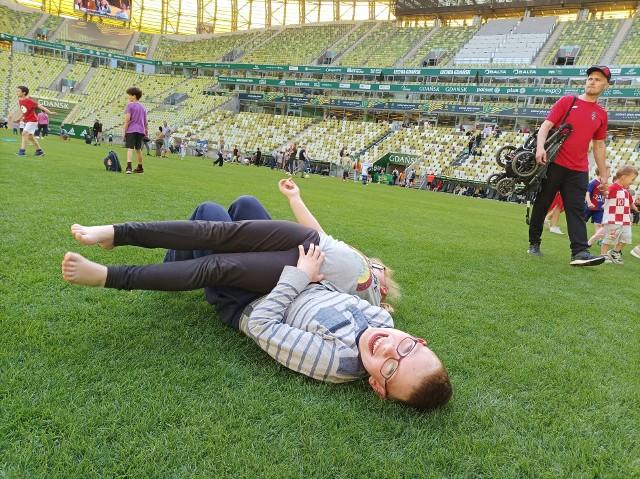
446	8
189	17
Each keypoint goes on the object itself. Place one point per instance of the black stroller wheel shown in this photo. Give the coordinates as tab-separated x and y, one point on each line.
524	164
504	155
492	180
505	186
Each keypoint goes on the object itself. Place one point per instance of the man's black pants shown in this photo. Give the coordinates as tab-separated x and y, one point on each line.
573	188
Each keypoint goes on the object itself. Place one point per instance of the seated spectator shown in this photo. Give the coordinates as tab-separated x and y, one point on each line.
64	135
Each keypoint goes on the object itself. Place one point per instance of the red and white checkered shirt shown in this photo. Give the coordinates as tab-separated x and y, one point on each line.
617	208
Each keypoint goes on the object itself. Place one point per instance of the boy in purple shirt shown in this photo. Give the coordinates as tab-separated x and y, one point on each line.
135	126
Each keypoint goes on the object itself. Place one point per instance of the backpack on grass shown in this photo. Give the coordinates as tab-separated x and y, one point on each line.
112	163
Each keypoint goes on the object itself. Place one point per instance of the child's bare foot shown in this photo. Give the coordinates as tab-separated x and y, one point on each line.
90	235
77	269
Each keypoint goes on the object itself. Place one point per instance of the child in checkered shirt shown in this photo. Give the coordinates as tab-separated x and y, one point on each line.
617	214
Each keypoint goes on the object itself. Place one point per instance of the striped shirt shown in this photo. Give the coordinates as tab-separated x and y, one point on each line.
311	328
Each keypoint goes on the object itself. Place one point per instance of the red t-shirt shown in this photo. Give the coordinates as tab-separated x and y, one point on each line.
28	107
617	208
589	121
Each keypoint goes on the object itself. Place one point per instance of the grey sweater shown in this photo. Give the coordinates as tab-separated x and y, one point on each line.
348	270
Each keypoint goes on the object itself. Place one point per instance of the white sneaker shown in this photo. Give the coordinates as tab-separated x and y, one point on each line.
556	230
636	251
615	256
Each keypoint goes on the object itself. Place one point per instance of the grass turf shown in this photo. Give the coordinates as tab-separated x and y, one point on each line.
103	383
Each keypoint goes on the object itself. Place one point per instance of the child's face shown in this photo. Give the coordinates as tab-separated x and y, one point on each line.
627	180
19	93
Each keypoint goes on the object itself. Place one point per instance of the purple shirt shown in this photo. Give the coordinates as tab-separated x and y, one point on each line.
43	119
138	121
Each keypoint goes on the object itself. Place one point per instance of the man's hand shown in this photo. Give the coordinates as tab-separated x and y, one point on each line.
311	261
541	156
288	188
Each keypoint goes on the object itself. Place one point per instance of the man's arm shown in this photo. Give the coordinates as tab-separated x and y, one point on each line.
543	133
303	216
600	155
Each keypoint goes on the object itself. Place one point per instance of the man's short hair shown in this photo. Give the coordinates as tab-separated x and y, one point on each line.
24	89
433	392
135	91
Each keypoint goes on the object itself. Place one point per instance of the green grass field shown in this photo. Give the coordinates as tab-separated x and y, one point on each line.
105	383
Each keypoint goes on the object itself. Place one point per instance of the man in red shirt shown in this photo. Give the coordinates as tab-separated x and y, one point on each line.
569	173
28	107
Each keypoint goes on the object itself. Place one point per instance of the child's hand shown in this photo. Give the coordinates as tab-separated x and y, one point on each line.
288	188
311	261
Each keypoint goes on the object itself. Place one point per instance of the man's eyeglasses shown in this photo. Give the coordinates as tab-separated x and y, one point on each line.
391	365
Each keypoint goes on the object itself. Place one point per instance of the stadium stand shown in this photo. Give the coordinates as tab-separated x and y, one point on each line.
208	49
507	42
7	100
78	71
629	51
104	95
327	138
449	39
38	72
592	36
16	22
255	130
145	39
297	45
361	29
172	96
51	24
384	46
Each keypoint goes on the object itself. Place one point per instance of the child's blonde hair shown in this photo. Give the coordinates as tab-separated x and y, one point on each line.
625	171
393	288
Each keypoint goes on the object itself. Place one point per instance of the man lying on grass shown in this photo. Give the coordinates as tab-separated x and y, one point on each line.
322	333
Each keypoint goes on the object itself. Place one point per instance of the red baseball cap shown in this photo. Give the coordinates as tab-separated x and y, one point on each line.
602	69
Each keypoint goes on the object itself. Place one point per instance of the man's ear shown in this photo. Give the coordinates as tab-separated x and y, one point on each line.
377	387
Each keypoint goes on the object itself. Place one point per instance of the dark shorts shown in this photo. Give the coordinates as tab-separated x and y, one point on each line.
595	216
133	141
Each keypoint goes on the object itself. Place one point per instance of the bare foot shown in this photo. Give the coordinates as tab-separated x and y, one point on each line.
77	269
90	235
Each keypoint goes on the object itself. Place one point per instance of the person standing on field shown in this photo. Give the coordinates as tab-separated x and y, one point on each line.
30	120
569	173
135	128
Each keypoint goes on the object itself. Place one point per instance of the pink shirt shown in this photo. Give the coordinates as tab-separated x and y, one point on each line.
43	118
